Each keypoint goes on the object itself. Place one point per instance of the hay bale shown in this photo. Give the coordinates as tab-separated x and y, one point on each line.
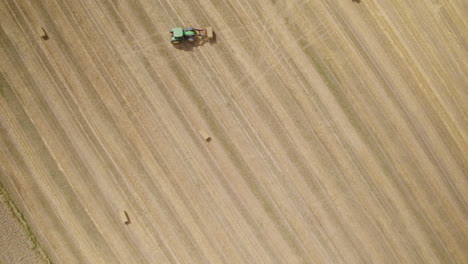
43	33
125	218
205	135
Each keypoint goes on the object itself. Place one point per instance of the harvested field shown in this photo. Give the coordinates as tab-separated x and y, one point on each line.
309	131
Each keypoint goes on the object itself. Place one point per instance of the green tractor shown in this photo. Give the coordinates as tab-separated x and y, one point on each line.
189	34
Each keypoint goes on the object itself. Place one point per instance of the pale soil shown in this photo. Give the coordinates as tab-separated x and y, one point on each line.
338	130
16	247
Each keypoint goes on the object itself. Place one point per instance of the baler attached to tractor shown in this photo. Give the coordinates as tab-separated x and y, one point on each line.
190	34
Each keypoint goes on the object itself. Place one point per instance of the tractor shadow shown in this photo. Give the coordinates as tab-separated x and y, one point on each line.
187	46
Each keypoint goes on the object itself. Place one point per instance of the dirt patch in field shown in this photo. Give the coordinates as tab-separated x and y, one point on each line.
16	244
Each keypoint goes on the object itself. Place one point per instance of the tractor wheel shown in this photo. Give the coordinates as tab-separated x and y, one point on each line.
188	29
175	41
191	39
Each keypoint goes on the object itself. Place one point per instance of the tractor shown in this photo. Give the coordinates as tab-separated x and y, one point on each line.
189	34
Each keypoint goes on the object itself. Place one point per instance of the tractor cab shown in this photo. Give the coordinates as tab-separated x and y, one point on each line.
177	35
